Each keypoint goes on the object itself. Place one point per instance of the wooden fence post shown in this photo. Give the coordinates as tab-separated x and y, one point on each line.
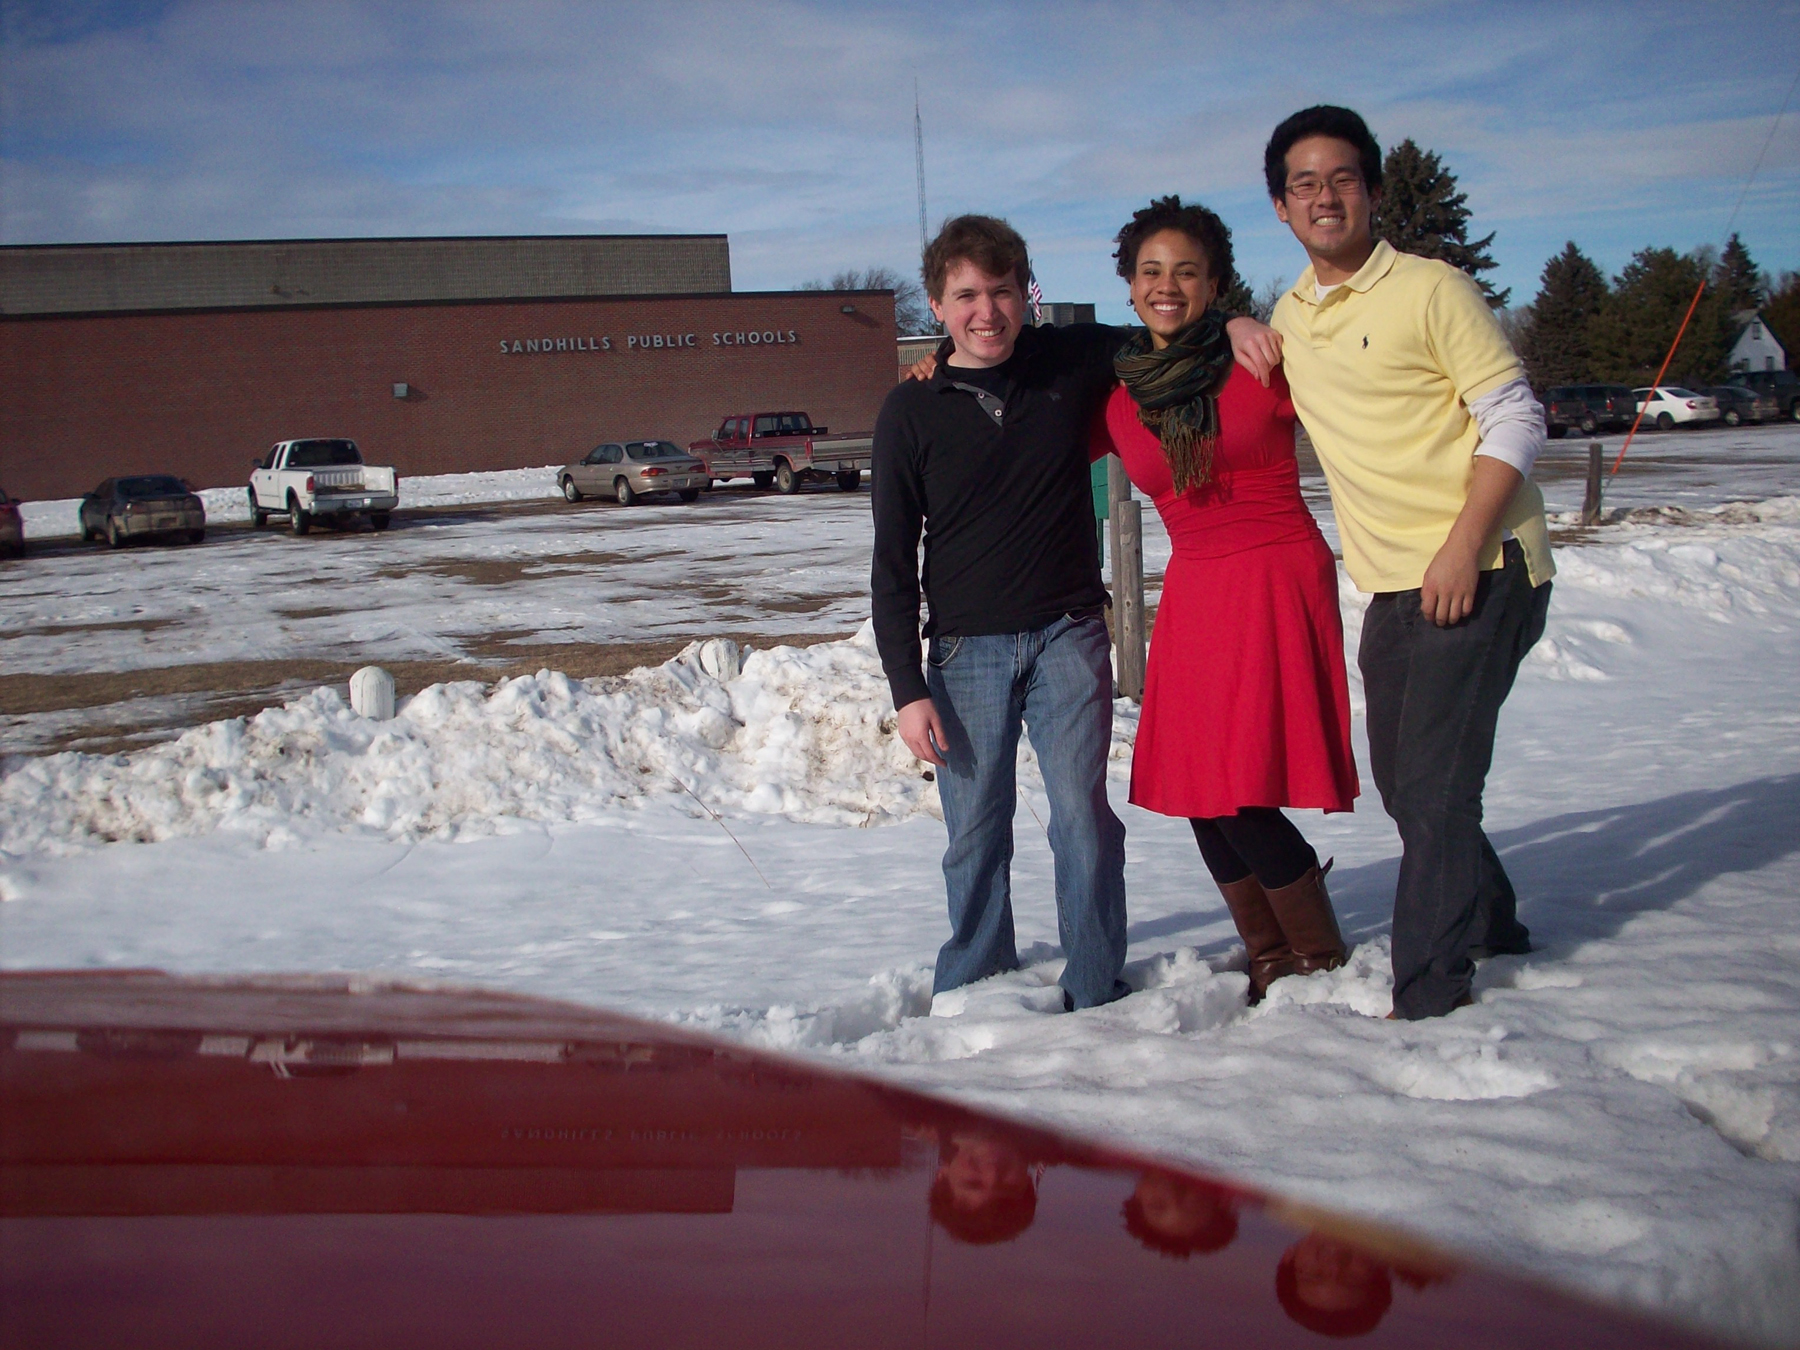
1590	504
1125	526
1128	599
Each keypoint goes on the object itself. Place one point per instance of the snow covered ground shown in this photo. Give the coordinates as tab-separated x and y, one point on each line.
750	851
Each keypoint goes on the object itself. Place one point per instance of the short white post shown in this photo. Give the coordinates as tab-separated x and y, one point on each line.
721	658
372	694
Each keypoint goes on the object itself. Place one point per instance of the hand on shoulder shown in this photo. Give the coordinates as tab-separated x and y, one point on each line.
1256	346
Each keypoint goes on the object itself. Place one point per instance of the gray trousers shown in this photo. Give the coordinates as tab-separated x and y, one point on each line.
1434	697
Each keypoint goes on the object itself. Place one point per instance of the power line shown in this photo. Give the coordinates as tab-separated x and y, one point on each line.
1700	290
1767	142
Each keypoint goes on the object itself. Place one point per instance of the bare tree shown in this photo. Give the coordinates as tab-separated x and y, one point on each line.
1267	294
911	314
1258	303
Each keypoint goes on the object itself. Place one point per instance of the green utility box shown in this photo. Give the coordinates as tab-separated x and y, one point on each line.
1097	476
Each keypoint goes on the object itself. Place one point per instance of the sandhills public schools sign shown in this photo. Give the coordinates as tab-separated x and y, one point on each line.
647	342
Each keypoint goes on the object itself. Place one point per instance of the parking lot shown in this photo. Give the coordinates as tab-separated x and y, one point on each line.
102	650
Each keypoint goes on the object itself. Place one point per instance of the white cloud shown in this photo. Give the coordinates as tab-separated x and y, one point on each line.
789	124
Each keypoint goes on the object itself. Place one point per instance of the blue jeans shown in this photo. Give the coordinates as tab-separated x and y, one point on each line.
1057	682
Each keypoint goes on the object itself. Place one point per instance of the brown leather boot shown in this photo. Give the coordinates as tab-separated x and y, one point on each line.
1270	955
1307	922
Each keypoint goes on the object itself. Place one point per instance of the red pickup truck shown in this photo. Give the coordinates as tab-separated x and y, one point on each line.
783	449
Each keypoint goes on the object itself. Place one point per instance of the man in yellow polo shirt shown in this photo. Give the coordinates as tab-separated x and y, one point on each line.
1427	432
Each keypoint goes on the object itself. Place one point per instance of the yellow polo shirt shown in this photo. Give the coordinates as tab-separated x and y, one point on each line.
1383	371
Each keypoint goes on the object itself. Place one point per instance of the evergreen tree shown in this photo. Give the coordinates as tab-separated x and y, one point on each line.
1740	284
1640	317
1557	341
1257	304
1422	212
1782	314
1239	299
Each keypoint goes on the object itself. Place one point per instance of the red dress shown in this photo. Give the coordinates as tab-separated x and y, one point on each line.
1245	699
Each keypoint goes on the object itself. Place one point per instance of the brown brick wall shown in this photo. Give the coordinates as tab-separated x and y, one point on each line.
200	394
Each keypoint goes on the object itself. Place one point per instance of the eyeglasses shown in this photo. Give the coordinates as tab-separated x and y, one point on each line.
1346	183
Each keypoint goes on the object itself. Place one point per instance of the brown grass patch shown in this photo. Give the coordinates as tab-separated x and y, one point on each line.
244	688
806	604
505	571
113	626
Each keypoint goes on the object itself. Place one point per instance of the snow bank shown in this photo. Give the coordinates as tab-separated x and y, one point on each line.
804	733
798	732
1584	1122
1619	1111
1708	566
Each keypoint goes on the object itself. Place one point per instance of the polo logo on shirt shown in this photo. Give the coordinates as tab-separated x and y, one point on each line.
1365	342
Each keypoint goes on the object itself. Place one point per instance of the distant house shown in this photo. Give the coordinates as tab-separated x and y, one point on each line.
1756	347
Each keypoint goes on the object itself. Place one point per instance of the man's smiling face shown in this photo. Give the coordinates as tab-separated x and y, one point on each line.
1326	203
982	314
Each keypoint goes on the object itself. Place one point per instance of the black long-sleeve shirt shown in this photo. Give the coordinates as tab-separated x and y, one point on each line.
1004	500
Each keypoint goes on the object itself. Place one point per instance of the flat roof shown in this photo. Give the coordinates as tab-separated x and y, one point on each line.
38	279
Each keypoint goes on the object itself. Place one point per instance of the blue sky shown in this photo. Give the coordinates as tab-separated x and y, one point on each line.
789	125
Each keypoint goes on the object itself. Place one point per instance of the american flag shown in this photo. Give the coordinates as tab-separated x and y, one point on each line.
1036	294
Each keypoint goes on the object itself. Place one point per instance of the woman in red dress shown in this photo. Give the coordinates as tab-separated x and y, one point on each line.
1246	708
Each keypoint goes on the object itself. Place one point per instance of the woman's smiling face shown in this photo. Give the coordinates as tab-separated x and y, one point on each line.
1172	284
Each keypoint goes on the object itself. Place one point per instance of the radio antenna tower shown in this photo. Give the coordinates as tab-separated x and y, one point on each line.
919	162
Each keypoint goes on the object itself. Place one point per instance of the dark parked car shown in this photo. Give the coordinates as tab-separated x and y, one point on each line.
1564	409
141	507
1783	385
12	528
1613	405
1739	404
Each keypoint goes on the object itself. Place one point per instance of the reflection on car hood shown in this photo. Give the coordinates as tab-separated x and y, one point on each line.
347	1160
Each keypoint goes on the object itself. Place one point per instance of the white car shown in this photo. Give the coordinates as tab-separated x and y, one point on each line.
1669	404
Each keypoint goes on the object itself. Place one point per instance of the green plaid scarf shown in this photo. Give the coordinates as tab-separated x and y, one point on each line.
1176	390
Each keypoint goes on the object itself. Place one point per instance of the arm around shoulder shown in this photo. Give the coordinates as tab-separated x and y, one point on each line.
898	506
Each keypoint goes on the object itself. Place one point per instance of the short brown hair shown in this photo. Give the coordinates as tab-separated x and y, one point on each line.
987	241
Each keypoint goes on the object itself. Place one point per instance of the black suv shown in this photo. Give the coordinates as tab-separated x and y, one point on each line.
1613	405
1564	409
1782	385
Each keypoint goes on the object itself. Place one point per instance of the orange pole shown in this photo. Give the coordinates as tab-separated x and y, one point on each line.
1657	382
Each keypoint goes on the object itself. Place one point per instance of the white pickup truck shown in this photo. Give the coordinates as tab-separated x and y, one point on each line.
324	479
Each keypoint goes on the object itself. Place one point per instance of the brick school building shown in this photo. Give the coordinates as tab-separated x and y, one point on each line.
435	355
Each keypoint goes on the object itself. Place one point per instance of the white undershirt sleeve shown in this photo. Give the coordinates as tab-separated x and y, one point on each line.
1511	421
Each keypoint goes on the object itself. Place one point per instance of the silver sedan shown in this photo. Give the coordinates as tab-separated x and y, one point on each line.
122	509
627	470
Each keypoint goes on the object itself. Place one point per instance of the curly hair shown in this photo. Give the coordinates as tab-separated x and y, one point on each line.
988	242
1324	119
1215	1234
1001	1219
1199	224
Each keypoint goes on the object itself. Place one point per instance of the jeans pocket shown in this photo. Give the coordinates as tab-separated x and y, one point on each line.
943	651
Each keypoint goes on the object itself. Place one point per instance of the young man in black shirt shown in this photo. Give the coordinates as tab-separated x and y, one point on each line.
989	457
